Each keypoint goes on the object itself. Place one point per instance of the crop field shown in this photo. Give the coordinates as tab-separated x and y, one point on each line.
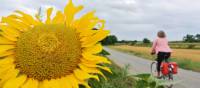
191	54
187	58
176	45
185	45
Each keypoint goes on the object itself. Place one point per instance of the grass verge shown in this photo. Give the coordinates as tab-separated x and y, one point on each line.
183	63
118	79
122	79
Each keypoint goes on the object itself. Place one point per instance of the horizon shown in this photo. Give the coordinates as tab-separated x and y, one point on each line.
151	39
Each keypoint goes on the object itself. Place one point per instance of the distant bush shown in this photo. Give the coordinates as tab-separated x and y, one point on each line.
191	46
146	41
134	42
110	40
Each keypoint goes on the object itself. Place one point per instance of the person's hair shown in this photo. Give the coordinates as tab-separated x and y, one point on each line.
161	34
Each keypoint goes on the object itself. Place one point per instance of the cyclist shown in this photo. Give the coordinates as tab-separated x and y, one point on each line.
161	48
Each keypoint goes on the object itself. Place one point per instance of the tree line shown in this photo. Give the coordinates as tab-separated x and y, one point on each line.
191	38
112	39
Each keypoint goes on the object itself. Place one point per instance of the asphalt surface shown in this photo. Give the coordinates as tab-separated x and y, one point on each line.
185	78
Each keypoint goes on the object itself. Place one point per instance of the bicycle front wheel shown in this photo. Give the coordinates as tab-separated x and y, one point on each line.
153	68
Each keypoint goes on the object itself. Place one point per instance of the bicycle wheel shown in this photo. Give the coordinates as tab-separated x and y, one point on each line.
153	69
170	76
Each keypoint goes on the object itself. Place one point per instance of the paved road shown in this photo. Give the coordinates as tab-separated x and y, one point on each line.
188	79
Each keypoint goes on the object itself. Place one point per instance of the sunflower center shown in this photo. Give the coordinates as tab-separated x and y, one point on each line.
48	52
48	42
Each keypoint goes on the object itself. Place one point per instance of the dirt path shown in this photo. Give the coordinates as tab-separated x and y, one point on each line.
188	79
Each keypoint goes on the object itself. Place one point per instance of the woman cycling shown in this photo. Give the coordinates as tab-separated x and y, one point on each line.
161	48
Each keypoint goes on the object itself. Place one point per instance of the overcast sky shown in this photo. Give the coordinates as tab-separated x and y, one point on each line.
128	19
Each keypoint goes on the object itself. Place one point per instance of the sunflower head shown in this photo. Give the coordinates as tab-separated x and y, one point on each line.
61	52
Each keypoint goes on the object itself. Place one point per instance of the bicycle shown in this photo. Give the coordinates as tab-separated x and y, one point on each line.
166	72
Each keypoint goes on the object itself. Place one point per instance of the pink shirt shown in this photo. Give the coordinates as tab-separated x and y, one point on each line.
161	45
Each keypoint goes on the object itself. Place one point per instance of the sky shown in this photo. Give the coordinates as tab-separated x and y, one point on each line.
128	19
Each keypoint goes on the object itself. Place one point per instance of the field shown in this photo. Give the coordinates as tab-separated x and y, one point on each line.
185	45
186	58
175	45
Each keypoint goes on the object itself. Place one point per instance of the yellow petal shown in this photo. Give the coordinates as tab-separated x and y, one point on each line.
9	37
89	64
16	24
82	75
30	83
5	68
49	12
87	33
43	84
55	83
84	84
65	83
27	18
5	41
105	68
7	75
91	70
4	48
70	11
73	81
95	59
6	61
94	49
15	17
88	21
15	82
7	53
59	18
10	31
89	41
97	66
50	84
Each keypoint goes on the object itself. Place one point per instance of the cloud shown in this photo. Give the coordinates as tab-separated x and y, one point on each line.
129	19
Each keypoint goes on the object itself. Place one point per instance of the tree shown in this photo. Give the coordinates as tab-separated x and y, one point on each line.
146	40
189	38
110	40
197	37
134	42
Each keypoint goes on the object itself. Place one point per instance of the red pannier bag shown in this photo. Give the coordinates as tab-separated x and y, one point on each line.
164	68
175	67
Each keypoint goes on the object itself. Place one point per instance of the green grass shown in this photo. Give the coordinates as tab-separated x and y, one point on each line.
118	79
182	63
188	64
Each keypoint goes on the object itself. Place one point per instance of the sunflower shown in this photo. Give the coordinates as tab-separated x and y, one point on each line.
60	52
